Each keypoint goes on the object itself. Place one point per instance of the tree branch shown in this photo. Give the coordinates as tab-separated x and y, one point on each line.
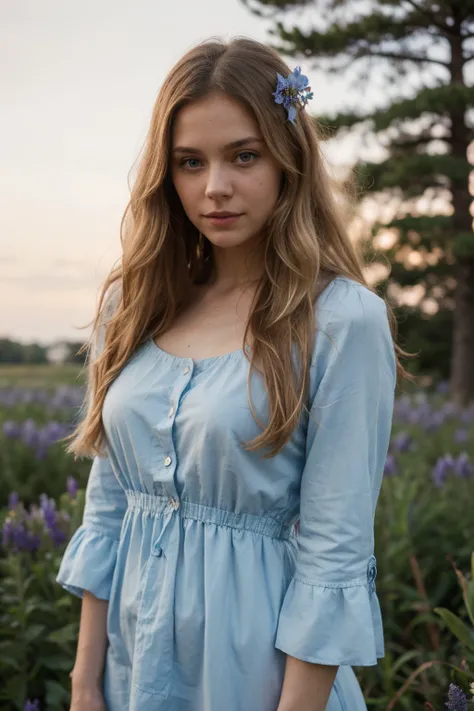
446	29
407	57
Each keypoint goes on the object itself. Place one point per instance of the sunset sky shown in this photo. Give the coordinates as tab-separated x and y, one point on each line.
78	87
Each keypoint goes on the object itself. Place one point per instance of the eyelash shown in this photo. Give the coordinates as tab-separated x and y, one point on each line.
251	153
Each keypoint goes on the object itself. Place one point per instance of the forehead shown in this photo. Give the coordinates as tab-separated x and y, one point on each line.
214	119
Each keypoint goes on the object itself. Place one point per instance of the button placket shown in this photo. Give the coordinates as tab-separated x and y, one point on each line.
174	501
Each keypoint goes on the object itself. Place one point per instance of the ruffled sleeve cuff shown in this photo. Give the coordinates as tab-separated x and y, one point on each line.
332	624
88	563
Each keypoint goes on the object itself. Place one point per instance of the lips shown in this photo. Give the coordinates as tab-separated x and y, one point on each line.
221	221
223	214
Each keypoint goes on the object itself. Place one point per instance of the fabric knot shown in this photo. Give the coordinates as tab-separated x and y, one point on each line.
371	573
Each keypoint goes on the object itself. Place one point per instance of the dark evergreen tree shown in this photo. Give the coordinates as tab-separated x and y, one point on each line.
426	137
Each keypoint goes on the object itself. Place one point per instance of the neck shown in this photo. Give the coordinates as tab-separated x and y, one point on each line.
236	267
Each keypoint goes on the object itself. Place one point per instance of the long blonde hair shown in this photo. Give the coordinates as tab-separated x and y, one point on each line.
306	245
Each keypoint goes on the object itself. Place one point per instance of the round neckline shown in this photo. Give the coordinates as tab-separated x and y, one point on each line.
179	360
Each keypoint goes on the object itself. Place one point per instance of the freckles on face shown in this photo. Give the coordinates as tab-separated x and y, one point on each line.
220	162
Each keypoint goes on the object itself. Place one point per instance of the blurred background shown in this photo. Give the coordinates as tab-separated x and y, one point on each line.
393	84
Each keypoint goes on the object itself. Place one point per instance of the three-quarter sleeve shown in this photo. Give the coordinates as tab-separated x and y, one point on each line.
330	613
90	557
89	560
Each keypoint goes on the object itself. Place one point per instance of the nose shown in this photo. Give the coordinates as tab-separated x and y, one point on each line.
218	184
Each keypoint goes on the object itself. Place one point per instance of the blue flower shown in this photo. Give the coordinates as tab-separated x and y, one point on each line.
13	500
72	487
457	699
390	467
443	467
461	435
32	705
291	91
402	442
463	466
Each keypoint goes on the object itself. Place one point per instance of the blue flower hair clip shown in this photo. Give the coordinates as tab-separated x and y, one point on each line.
292	91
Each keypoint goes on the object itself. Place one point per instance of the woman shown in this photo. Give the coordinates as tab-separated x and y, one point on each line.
239	414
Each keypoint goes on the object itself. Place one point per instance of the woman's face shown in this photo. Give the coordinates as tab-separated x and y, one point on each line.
212	175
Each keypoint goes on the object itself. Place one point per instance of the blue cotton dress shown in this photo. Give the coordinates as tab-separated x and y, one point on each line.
193	541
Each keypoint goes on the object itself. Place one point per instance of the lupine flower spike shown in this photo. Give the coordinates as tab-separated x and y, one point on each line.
457	700
291	91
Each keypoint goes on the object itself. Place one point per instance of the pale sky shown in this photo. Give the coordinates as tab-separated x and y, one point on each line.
77	89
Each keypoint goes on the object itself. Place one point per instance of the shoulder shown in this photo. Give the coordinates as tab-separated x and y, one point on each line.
352	326
346	302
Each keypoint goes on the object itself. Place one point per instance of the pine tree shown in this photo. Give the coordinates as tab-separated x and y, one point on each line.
426	137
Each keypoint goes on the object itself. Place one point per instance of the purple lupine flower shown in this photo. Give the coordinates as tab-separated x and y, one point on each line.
402	442
17	538
461	435
29	433
32	705
450	409
11	429
443	387
463	466
390	467
457	699
435	421
58	536
13	500
53	431
48	509
52	520
72	487
467	416
442	468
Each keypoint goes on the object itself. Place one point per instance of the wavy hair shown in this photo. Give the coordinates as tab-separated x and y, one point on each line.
306	245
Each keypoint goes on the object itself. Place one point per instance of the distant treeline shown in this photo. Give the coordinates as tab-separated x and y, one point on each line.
13	352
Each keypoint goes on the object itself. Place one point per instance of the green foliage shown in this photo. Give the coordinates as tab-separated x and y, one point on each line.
411	175
39	623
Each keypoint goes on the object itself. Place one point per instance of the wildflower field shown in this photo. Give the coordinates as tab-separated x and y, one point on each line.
424	542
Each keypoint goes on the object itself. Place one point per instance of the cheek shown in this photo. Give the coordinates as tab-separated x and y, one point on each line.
264	188
187	192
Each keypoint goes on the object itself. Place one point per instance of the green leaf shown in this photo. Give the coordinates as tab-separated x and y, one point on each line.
55	662
457	627
469	600
65	635
33	632
56	695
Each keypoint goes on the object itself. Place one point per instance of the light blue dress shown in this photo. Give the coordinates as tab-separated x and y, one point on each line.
193	540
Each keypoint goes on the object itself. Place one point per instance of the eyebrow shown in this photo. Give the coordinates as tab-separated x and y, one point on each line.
233	144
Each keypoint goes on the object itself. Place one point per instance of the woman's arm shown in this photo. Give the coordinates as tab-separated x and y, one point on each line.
92	642
330	615
306	686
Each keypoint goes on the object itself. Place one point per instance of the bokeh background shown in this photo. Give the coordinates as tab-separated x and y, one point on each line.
393	90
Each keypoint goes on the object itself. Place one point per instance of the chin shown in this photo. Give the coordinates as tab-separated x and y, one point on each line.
225	238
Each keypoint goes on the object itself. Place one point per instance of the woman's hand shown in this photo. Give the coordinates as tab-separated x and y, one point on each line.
87	698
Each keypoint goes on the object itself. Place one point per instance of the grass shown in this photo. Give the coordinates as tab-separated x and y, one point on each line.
41	376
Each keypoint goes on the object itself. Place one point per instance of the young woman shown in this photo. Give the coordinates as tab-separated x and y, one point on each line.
239	413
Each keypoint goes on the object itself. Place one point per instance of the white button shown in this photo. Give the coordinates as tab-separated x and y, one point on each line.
167	461
171	412
174	503
186	370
